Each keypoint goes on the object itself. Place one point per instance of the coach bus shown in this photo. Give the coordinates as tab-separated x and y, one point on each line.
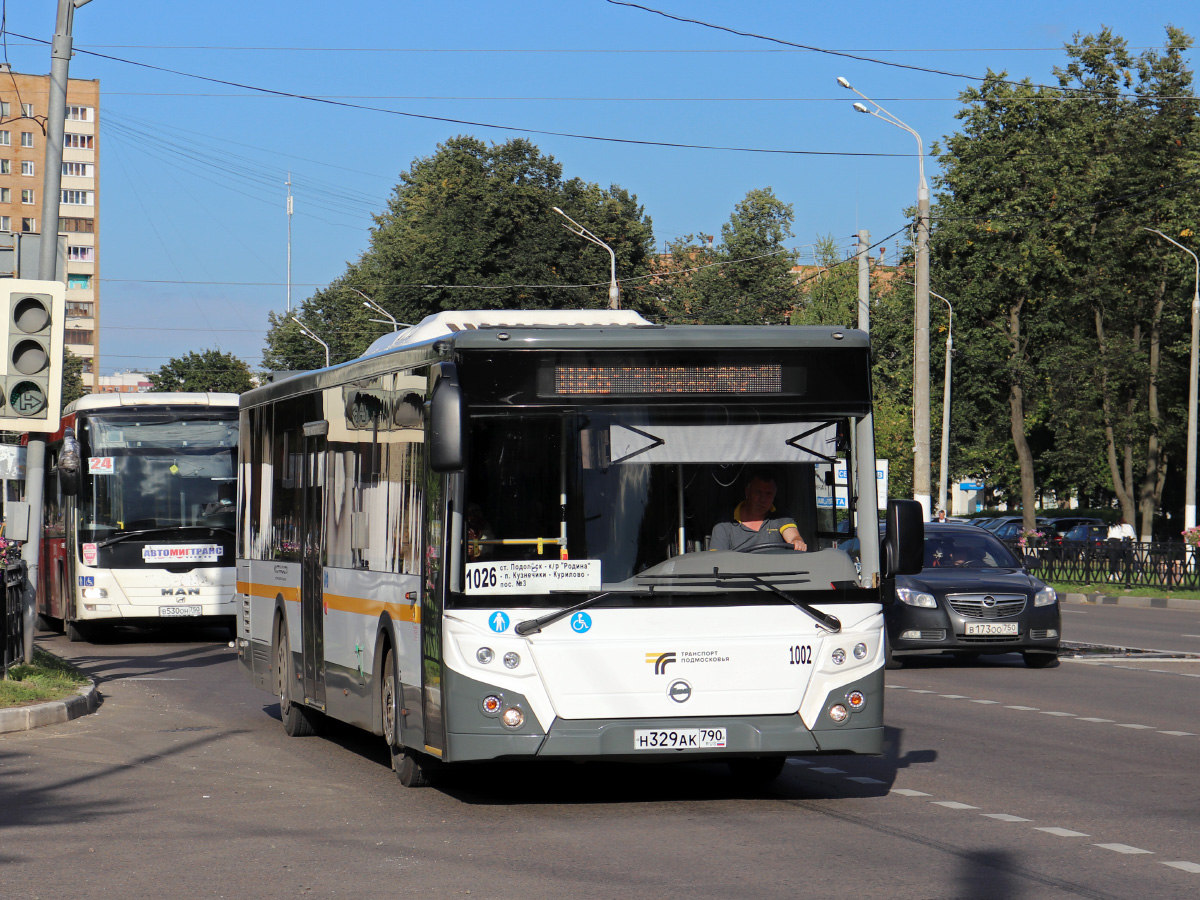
491	538
139	513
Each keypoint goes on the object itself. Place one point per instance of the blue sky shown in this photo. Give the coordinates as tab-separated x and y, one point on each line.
192	194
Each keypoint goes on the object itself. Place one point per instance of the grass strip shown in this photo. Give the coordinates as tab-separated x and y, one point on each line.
46	678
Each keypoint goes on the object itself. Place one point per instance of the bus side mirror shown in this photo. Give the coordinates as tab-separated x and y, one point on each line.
68	464
904	539
447	424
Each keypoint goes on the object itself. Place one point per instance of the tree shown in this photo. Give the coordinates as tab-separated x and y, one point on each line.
72	377
473	227
745	280
209	370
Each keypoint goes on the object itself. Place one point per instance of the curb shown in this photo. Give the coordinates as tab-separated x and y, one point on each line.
1142	602
54	712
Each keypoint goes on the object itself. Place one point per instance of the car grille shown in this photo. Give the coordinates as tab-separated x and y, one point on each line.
975	606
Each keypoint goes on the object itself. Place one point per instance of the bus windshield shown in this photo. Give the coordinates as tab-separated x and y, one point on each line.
656	497
156	471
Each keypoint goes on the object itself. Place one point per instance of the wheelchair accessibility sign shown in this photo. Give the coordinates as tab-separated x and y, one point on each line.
581	622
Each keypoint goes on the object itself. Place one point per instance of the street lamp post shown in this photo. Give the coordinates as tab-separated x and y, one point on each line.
1189	497
614	292
307	332
921	466
371	304
944	479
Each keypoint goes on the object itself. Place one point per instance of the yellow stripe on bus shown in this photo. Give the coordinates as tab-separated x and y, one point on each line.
406	612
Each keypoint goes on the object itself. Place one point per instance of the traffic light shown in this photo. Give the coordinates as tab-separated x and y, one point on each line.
34	315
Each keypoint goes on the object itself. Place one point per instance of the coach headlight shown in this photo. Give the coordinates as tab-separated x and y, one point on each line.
95	593
513	717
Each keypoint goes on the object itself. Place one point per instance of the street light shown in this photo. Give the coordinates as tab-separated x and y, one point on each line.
921	491
1189	497
371	304
614	292
307	332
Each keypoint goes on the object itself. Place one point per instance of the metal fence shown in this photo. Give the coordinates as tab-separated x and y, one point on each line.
14	617
1163	565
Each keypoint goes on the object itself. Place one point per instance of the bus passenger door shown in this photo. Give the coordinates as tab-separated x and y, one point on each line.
312	523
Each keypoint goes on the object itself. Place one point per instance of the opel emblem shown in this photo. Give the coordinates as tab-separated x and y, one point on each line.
679	691
989	602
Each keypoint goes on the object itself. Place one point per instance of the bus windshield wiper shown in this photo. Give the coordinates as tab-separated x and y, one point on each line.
825	620
125	535
533	626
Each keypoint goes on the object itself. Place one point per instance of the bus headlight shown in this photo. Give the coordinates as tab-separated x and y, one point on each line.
94	593
839	656
485	655
513	717
860	650
839	713
512	660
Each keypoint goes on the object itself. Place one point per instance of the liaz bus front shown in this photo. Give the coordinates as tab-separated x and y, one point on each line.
663	543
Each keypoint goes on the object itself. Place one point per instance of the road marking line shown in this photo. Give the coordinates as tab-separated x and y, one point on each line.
1023	708
895	687
1161	671
907	792
1135	726
985	701
1048	713
1063	832
1091	719
952	804
915	691
1121	848
1185	866
863	779
1004	817
828	770
954	697
1189	674
1188	635
1179	733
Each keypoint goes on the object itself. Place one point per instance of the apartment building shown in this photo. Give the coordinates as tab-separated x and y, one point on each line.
23	108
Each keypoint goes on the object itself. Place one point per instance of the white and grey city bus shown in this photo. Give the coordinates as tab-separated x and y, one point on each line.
139	528
490	538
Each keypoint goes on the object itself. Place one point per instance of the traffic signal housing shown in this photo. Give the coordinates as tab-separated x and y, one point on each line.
34	317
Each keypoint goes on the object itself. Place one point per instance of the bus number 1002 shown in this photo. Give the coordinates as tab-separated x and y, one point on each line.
800	655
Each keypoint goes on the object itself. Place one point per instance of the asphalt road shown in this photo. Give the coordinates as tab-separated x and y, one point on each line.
1000	782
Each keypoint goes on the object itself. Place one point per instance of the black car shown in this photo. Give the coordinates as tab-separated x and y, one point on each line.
972	597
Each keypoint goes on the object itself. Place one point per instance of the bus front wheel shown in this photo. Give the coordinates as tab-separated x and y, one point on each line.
78	632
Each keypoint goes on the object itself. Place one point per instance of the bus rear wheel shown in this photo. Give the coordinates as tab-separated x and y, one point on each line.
297	720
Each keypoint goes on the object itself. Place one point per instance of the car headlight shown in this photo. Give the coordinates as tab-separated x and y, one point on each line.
1045	597
913	597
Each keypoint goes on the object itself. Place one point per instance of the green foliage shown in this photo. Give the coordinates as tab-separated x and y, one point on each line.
744	280
472	215
72	377
46	678
1070	320
209	370
830	294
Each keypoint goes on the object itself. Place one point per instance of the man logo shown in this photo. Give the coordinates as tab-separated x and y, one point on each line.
660	661
679	691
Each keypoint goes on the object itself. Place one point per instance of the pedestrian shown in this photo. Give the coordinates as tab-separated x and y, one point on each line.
1120	540
941	515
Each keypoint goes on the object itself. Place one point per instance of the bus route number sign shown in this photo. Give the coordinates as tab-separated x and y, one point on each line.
100	465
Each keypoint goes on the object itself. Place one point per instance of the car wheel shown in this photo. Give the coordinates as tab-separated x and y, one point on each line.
1040	660
889	661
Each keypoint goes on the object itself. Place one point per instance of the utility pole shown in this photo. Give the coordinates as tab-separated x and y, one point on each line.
864	281
289	259
35	459
921	460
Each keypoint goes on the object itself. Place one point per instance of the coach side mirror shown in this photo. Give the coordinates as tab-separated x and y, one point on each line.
447	424
68	464
904	539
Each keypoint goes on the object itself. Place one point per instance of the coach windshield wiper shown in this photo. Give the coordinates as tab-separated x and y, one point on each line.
825	620
533	626
125	535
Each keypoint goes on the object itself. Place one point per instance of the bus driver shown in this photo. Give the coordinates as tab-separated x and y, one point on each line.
753	526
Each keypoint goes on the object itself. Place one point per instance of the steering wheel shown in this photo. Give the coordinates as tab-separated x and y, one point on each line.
772	548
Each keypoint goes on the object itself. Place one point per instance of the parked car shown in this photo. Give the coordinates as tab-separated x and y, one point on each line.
972	597
1058	528
1010	529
